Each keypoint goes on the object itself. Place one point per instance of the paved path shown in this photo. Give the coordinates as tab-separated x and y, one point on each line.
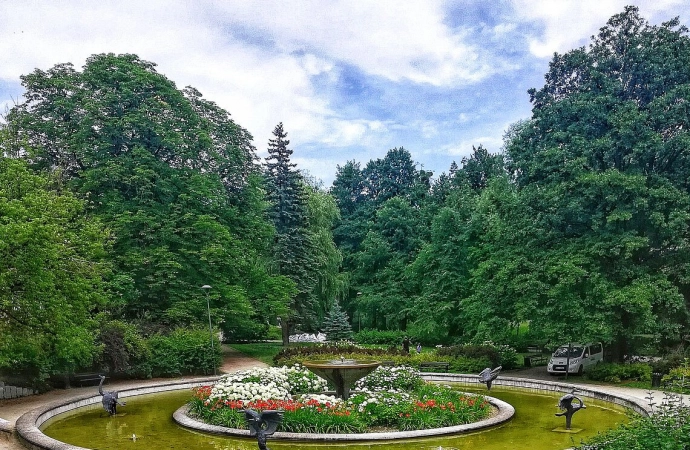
11	410
539	373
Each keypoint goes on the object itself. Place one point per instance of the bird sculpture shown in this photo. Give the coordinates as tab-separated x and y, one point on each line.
262	424
566	405
110	400
487	376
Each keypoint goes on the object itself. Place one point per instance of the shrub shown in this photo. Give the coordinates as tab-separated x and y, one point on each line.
380	337
494	355
615	372
678	379
124	349
183	352
667	428
331	351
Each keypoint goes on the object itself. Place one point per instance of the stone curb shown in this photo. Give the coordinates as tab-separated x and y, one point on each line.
30	435
636	404
505	413
27	426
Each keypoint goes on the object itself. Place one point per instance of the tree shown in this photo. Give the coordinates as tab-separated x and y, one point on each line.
169	173
602	166
336	327
286	193
52	262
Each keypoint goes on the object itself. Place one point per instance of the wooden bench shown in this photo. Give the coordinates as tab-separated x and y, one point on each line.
536	360
87	379
535	356
438	365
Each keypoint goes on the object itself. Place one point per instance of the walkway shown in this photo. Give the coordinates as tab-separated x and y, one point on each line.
11	410
539	373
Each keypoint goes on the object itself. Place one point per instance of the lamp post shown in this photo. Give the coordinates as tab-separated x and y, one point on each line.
206	287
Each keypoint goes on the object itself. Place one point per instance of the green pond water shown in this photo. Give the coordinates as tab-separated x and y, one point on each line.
149	417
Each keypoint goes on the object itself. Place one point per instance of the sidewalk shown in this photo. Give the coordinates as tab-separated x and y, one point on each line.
539	373
11	410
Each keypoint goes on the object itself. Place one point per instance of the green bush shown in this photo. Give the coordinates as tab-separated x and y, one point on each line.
615	373
494	355
380	337
667	428
678	379
333	351
183	352
125	351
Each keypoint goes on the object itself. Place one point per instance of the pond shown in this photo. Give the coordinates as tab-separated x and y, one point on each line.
149	417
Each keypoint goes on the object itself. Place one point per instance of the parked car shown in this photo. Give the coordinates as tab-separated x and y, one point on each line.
582	357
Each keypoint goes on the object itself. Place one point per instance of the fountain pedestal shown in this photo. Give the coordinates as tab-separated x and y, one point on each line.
342	373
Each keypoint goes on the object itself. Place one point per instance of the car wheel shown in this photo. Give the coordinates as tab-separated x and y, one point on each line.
580	370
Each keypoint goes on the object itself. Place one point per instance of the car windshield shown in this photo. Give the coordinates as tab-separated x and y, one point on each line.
562	352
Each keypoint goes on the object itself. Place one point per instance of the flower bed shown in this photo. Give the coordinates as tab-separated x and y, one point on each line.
393	398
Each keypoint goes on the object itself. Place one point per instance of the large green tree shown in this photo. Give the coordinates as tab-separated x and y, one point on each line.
287	195
602	168
52	261
173	177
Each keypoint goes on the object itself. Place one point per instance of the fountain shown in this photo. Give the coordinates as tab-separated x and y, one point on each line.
343	373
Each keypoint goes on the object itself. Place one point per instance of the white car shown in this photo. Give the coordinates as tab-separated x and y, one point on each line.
582	357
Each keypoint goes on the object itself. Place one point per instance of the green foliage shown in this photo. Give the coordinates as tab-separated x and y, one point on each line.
124	350
171	175
496	355
667	428
51	270
381	337
317	351
615	372
336	327
394	356
391	397
678	379
183	352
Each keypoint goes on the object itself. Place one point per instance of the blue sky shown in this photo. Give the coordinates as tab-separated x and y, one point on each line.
349	79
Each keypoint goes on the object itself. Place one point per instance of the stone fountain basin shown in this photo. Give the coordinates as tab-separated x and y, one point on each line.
342	373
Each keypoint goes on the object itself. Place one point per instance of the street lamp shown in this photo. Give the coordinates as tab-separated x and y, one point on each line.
206	287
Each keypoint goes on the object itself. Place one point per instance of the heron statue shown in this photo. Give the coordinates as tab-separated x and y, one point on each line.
487	376
262	424
110	400
566	405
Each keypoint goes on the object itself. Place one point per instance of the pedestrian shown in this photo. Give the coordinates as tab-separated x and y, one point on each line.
419	347
406	345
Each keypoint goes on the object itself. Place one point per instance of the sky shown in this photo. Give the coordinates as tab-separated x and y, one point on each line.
349	79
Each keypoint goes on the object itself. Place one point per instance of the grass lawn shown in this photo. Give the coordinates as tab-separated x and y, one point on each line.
263	351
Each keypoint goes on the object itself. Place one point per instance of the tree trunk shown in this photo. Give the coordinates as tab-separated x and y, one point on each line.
285	331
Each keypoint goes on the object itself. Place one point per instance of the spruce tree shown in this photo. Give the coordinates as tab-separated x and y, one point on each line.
285	191
336	326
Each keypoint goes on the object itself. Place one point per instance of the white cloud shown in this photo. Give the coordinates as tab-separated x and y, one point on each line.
256	59
464	147
568	24
392	39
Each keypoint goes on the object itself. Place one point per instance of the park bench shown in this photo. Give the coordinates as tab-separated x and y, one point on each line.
86	379
535	356
433	366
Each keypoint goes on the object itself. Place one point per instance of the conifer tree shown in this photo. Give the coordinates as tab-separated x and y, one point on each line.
285	191
336	326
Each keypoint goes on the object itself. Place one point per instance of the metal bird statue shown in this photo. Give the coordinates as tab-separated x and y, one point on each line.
110	400
566	405
487	376
262	424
